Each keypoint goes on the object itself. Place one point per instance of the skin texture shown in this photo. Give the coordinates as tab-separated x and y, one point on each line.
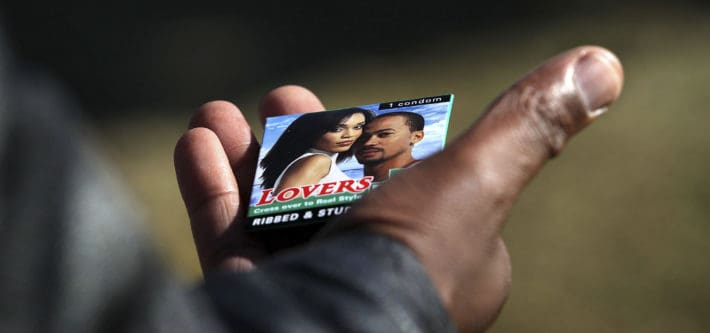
387	144
456	235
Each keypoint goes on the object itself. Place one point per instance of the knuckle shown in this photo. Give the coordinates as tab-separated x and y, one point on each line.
217	208
551	114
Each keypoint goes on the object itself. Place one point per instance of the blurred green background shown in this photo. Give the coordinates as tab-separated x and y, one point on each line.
608	238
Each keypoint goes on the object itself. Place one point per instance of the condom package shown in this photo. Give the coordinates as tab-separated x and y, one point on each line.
313	166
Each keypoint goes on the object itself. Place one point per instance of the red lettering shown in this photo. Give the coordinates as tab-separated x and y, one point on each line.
308	190
288	194
327	188
265	197
365	183
321	189
346	185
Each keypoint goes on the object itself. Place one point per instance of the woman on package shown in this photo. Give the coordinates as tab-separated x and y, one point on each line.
310	148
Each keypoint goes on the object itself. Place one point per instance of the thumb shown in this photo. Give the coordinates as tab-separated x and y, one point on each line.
450	208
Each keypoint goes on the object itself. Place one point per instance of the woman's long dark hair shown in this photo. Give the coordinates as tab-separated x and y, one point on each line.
300	136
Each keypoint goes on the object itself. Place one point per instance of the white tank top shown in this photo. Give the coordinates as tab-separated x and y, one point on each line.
334	174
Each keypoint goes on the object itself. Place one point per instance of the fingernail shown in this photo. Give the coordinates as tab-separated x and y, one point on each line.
598	80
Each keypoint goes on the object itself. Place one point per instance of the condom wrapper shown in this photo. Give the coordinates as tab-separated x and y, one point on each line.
294	203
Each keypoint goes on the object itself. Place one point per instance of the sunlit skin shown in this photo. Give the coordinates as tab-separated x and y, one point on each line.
449	209
311	169
386	144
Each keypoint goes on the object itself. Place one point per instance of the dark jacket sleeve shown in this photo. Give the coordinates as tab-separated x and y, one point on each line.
74	259
356	282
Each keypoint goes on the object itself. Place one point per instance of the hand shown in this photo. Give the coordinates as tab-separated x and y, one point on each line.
456	201
215	162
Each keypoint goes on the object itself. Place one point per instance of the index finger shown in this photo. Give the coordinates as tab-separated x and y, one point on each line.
288	100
